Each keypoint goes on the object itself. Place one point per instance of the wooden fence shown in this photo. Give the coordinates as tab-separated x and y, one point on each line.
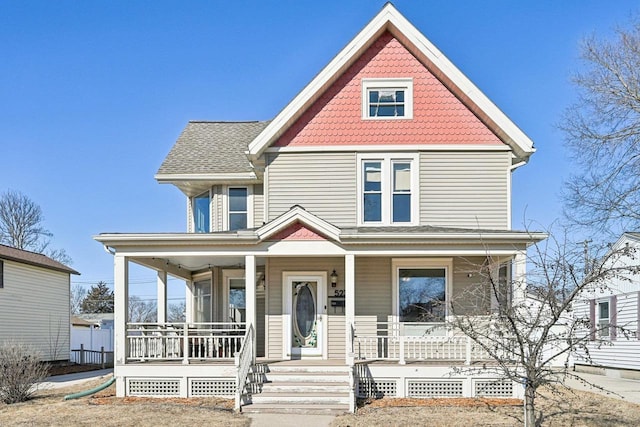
92	357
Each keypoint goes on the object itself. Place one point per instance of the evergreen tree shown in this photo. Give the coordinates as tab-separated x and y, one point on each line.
99	299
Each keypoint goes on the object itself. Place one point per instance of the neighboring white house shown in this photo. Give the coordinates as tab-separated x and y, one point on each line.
331	239
614	315
34	302
92	332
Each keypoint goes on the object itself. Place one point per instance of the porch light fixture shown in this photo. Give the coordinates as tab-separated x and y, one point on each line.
334	278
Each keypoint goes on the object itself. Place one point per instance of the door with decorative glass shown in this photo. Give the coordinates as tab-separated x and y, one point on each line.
306	309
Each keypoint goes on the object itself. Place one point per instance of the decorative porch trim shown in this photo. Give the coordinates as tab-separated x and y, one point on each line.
298	214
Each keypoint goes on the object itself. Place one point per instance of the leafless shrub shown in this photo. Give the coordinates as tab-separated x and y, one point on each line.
20	370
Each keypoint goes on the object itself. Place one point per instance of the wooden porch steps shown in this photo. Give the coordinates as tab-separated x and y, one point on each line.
299	388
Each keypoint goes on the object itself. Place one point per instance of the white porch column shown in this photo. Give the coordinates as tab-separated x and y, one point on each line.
188	299
519	277
121	300
349	303
250	296
162	296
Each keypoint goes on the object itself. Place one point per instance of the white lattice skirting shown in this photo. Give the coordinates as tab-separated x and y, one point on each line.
171	387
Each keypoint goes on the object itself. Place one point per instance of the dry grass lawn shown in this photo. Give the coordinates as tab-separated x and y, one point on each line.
103	409
561	408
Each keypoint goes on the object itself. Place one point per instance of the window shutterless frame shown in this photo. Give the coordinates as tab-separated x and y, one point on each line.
387	99
388	189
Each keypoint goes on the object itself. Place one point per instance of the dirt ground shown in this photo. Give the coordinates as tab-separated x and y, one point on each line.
49	409
562	408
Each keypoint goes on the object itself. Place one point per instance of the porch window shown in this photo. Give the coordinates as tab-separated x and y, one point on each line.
237	300
388	190
202	301
422	294
201	213
238	208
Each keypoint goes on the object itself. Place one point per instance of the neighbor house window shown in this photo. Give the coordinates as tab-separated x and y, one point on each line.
603	318
387	98
1	274
238	213
422	294
388	190
202	213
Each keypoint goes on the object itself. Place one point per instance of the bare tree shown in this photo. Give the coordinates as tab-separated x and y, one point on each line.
78	294
539	325
603	134
177	312
21	226
141	311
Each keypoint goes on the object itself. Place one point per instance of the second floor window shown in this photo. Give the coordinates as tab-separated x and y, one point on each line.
237	208
388	191
201	213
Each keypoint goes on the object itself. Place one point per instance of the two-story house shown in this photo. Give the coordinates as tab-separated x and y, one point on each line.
335	235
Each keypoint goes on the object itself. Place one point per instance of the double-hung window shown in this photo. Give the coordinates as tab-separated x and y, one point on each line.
388	190
237	205
202	213
390	98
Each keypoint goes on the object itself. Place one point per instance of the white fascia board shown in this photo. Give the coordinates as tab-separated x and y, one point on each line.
205	177
389	18
386	148
298	214
182	239
386	238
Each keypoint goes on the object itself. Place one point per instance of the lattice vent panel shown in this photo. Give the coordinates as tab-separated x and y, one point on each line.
143	387
212	387
490	388
434	389
377	389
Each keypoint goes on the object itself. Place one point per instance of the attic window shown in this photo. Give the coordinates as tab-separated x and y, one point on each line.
387	99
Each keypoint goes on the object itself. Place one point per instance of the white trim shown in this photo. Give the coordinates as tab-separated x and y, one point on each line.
386	148
299	214
321	311
225	205
427	263
387	160
206	177
390	19
405	84
509	196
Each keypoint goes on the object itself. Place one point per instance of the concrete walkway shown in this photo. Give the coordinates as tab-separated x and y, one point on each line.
618	388
67	380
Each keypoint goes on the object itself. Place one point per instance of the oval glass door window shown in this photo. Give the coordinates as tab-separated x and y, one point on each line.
305	314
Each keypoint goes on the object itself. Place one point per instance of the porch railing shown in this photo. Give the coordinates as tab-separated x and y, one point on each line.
184	341
243	361
413	341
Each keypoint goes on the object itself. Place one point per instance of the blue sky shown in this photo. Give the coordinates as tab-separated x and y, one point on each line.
94	94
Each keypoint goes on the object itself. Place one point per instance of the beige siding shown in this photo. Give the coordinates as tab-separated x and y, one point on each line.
470	294
258	206
373	287
464	189
335	323
189	215
34	309
216	208
323	183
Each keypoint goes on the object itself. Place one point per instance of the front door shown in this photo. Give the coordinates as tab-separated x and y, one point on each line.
305	296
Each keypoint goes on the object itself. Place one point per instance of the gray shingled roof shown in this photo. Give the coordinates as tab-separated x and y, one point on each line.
212	147
32	258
